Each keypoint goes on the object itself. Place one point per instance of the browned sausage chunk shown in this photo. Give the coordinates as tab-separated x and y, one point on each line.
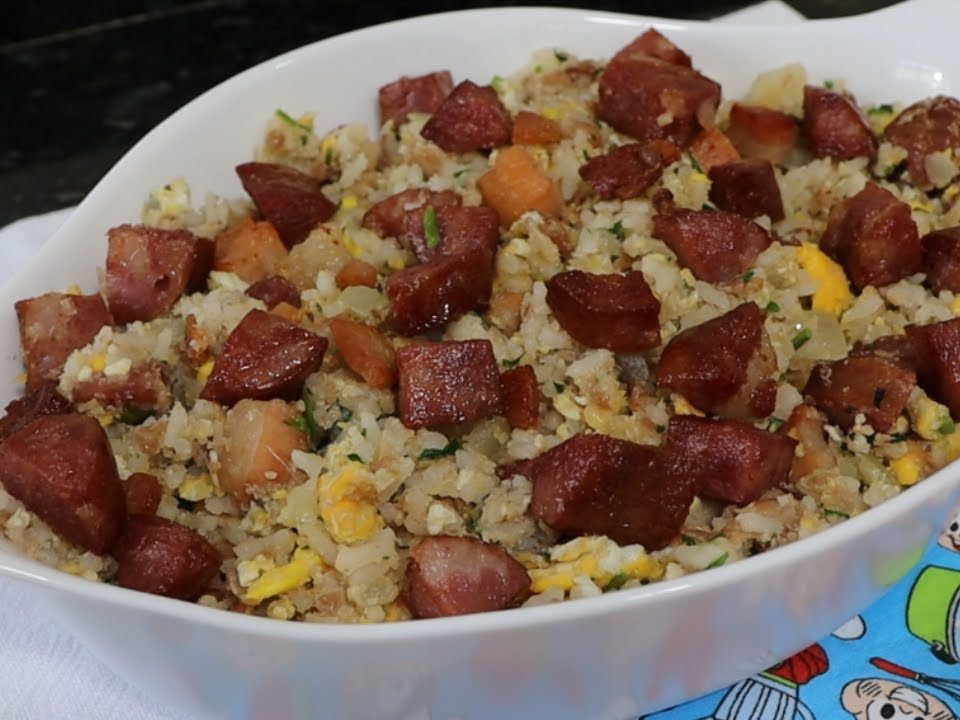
941	259
761	133
366	350
275	290
61	467
898	349
717	246
872	386
653	44
873	236
627	171
54	325
424	93
264	357
937	348
142	492
459	230
724	365
458	575
161	557
748	188
595	484
44	400
617	312
292	201
448	382
521	397
144	388
149	269
730	461
386	218
834	125
470	118
925	127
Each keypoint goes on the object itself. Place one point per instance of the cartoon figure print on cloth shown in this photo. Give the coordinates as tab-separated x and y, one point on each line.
878	699
932	611
950	538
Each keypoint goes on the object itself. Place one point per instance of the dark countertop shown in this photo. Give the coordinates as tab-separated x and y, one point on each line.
84	81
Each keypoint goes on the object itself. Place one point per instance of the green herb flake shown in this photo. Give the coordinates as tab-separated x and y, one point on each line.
828	84
616	582
345	412
299	422
617	230
748	276
313	430
168	187
719	561
688	540
899	437
801	338
328	156
291	122
559	387
561	56
133	415
946	427
884	109
693	162
538	69
833	512
586	156
459	173
497	83
775	423
614	258
430	229
355	458
433	453
771	307
513	363
661	428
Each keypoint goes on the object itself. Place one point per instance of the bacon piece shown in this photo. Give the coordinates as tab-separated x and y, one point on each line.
521	397
925	127
45	399
143	388
471	118
142	493
148	269
447	382
423	93
748	188
941	259
711	148
357	273
805	425
387	218
274	290
617	312
61	467
873	386
716	245
366	350
264	357
652	44
629	170
724	366
834	125
530	128
728	460
458	575
462	230
252	250
162	557
761	133
874	237
54	325
937	348
292	201
595	484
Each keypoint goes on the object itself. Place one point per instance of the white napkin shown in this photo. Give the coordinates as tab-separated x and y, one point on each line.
45	673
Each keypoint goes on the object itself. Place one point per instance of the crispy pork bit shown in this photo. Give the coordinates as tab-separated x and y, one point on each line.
834	125
264	357
292	201
530	128
458	575
806	426
62	468
617	312
252	250
711	148
45	399
748	188
448	382
871	386
760	133
471	118
941	259
937	348
423	94
724	366
521	397
728	460
144	388
366	350
357	273
926	127
161	557
629	170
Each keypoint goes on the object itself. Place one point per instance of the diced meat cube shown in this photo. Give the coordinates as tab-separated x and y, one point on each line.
62	468
937	348
142	492
448	382
871	386
148	269
258	441
748	188
521	397
834	125
653	44
162	557
724	366
54	325
926	127
711	148
596	484
516	184
252	250
45	399
730	461
356	273
762	134
460	230
264	357
423	94
805	425
898	349
143	388
530	128
717	246
274	290
874	237
205	255
471	118
617	312
366	350
292	201
387	217
629	170
458	575
941	259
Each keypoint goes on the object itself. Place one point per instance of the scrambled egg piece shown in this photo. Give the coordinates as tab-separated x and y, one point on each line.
347	503
203	372
348	202
908	468
597	558
277	580
682	406
833	291
930	419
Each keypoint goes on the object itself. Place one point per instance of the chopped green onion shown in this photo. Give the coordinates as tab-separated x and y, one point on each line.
748	276
433	453
885	109
693	162
430	229
899	437
661	428
514	362
771	307
774	424
291	122
560	56
617	230
946	427
719	561
802	338
688	540
559	387
831	512
828	84
616	582
355	457
497	83
460	172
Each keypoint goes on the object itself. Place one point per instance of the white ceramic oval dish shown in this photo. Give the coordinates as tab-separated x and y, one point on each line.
614	656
